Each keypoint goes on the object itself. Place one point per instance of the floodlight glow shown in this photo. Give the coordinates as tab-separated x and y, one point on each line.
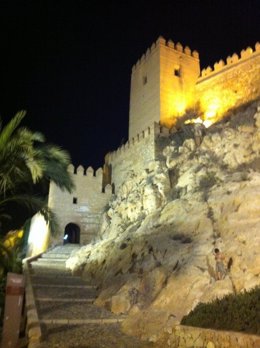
38	236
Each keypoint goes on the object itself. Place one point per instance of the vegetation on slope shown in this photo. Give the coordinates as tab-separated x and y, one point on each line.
239	312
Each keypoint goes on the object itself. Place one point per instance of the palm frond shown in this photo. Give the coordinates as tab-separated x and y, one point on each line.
51	219
9	129
31	202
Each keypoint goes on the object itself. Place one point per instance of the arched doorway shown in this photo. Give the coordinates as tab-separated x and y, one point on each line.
71	234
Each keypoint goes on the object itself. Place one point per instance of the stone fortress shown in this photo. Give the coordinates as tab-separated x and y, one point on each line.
166	84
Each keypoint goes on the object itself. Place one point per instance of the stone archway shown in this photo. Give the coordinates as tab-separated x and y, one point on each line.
72	234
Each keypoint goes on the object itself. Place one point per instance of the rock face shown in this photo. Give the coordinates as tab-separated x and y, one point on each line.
154	260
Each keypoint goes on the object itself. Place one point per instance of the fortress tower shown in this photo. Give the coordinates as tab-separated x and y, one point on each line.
162	85
165	82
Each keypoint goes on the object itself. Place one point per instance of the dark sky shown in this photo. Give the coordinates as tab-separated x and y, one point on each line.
68	63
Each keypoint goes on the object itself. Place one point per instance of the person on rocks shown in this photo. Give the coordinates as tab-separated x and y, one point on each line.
220	267
198	133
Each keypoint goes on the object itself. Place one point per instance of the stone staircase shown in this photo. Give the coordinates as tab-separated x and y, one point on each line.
67	316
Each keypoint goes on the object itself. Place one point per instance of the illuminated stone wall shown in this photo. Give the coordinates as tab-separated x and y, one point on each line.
162	85
83	206
145	92
179	71
166	82
136	154
229	84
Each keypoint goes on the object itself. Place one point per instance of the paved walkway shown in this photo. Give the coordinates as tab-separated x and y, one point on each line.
67	315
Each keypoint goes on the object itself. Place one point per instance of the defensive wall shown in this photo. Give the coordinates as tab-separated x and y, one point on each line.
160	83
229	84
181	336
84	205
216	90
136	154
165	83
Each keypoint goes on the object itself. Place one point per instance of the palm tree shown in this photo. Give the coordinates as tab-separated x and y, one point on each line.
26	160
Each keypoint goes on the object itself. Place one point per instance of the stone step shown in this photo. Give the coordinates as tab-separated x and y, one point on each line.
54	272
66	310
72	286
65	248
72	310
56	299
48	264
64	292
56	280
60	251
61	286
89	335
51	260
55	256
81	321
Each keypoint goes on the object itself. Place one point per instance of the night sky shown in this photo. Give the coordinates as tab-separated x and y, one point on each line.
68	63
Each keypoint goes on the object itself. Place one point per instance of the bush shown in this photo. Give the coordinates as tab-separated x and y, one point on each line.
233	312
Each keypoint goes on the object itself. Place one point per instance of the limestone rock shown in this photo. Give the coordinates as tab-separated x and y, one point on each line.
154	260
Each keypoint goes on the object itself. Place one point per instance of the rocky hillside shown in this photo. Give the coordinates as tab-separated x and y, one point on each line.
154	258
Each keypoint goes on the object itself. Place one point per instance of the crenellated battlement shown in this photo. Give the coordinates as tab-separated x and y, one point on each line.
80	170
166	82
89	174
154	130
178	47
231	61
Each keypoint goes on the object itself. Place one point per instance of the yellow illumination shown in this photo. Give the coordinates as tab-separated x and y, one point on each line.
180	106
12	238
215	103
206	123
176	107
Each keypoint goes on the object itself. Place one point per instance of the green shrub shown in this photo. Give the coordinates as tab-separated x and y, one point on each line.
233	312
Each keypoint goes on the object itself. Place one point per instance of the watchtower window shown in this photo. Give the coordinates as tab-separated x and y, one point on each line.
177	72
75	200
145	80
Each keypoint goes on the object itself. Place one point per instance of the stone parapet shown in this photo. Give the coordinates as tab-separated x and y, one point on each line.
80	170
154	130
186	337
230	61
162	42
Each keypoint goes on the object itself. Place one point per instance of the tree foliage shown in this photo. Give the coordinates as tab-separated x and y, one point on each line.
25	161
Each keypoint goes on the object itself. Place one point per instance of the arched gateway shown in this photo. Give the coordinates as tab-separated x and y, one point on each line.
72	234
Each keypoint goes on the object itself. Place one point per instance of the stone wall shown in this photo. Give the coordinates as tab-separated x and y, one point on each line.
166	82
179	71
145	92
136	154
162	82
229	84
193	337
83	206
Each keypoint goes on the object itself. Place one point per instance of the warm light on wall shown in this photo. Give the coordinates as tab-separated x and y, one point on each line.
212	106
177	106
38	236
215	103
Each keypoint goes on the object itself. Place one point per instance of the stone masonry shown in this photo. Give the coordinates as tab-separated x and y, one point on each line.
165	83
